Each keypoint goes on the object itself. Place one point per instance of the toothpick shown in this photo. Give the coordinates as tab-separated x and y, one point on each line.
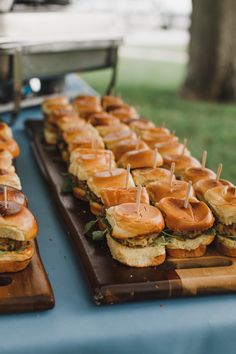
5	196
155	158
110	162
218	173
138	198
137	143
185	145
187	194
127	176
204	157
172	171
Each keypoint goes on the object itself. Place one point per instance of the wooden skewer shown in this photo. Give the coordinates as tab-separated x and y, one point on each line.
137	143
187	194
185	145
5	196
218	173
127	176
138	198
155	158
110	162
204	157
172	171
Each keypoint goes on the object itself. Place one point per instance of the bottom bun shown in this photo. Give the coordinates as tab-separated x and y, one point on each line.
226	246
136	257
190	247
79	193
16	261
96	208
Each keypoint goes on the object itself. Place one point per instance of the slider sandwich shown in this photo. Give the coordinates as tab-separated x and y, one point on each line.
144	176
99	180
152	136
86	106
130	144
162	189
222	201
138	125
134	236
12	194
182	162
84	166
124	112
188	226
113	196
196	174
18	228
111	102
10	145
170	146
142	158
103	118
105	130
203	185
115	137
5	131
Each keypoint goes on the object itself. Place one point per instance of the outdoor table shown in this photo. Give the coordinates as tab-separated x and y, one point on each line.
76	325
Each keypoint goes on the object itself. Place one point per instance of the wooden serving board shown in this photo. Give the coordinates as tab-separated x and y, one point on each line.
27	290
111	282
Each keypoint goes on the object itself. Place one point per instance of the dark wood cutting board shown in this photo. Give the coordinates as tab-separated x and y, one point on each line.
27	290
111	282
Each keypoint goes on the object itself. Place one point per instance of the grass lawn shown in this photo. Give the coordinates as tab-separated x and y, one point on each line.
153	88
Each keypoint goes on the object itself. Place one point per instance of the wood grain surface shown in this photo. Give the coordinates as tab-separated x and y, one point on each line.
111	282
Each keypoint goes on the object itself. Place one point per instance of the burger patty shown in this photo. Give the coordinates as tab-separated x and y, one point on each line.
8	245
142	241
76	183
187	234
227	230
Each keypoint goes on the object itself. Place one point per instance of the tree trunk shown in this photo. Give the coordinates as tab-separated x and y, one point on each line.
211	73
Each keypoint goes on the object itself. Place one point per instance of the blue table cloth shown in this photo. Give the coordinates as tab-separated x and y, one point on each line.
191	325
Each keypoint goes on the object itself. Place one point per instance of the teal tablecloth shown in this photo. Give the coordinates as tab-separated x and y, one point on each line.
192	325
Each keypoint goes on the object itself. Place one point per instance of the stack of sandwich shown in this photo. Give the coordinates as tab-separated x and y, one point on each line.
120	163
18	226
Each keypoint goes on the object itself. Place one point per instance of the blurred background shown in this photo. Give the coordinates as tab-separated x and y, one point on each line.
177	66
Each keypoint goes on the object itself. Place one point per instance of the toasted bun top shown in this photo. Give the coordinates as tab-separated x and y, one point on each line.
19	219
153	138
126	222
85	142
166	148
105	179
195	174
115	195
104	130
54	107
182	162
118	135
14	195
140	159
56	100
5	131
147	175
86	99
161	189
87	151
127	145
103	118
139	124
10	145
70	123
11	180
203	185
86	131
124	112
196	217
222	200
111	101
65	111
86	165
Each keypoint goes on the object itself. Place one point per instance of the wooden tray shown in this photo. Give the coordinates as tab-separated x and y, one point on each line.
111	282
28	290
